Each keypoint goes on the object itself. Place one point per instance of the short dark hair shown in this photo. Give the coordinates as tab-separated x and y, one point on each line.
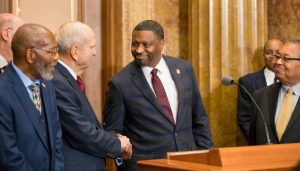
150	25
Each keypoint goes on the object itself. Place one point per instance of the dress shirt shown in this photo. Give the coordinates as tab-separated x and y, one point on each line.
283	90
3	61
269	75
167	81
26	81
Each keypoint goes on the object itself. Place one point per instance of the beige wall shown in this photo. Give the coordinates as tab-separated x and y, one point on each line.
51	13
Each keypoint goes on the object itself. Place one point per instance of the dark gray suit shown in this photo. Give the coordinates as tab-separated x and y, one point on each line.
251	82
266	99
133	110
86	144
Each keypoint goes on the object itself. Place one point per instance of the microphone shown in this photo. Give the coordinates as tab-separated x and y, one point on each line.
227	81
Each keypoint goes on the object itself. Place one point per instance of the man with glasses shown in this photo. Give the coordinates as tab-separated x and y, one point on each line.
9	23
279	102
30	133
255	81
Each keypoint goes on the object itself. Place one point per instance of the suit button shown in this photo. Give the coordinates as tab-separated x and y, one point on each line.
175	134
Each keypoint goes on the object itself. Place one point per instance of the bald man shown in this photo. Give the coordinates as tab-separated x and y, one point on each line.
86	143
9	23
255	81
30	133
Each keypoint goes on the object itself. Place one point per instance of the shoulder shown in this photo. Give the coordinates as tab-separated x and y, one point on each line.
251	76
271	88
125	72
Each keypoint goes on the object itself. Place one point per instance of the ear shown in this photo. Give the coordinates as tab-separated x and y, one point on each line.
74	52
5	34
161	44
29	56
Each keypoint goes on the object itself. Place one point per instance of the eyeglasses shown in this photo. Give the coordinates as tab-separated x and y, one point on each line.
286	58
52	52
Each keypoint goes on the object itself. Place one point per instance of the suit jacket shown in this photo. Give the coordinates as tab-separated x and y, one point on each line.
251	82
133	110
266	99
23	147
86	144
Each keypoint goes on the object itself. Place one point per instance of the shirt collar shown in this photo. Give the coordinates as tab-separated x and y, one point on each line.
296	88
26	80
3	61
71	71
161	67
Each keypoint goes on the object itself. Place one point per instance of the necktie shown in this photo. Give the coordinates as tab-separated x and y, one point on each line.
275	80
36	97
285	112
161	94
80	83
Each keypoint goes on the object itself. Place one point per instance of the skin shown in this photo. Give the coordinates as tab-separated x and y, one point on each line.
271	47
29	56
288	72
146	48
7	31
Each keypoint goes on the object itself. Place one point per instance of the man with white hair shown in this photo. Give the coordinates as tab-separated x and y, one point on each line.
86	144
9	23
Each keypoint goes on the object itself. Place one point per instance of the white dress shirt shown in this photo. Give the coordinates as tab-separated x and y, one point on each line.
269	75
167	81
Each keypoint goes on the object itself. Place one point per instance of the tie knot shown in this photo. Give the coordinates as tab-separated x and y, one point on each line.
35	87
290	91
154	71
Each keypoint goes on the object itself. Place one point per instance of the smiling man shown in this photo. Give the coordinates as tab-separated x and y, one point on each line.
155	101
279	102
30	133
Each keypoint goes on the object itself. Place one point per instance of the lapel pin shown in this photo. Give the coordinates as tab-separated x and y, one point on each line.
177	71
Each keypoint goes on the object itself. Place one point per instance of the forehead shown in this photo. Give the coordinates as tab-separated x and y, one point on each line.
273	44
290	49
144	35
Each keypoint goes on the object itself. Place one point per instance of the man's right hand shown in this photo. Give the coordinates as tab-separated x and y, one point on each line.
126	147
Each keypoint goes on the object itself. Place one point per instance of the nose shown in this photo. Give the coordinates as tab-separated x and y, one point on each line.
140	49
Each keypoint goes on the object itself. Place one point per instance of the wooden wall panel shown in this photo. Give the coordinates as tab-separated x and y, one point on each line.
284	19
223	40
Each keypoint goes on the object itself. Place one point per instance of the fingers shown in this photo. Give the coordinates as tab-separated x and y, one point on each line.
126	147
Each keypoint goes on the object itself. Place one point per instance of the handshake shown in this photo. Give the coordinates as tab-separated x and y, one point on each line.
126	147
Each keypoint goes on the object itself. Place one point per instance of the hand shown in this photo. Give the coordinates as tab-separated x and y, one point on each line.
126	147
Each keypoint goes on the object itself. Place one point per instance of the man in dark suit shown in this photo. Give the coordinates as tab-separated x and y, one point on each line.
30	133
155	100
86	144
255	81
9	23
279	102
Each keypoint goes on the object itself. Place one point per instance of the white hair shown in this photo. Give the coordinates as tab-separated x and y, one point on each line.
72	33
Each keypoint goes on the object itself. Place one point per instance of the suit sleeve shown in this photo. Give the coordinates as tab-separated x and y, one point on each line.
114	110
201	129
11	158
59	159
78	130
244	109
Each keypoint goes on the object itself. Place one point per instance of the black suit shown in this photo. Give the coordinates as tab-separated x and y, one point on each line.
86	144
266	99
133	110
251	82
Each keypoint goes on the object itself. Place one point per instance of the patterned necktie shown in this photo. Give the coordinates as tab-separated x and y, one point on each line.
36	97
80	83
285	112
161	94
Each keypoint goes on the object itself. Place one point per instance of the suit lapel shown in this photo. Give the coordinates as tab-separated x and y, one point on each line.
273	99
46	102
26	102
141	83
261	80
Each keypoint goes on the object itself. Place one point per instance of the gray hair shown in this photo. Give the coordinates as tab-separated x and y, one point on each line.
72	33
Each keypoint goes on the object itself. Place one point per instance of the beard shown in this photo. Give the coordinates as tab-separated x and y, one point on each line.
45	70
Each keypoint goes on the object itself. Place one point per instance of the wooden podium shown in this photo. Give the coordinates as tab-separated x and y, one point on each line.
262	157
